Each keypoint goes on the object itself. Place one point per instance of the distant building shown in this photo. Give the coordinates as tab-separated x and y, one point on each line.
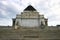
29	18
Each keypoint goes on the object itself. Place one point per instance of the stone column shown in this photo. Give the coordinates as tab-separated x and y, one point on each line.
17	25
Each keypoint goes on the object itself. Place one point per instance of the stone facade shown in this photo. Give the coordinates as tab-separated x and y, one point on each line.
29	18
31	25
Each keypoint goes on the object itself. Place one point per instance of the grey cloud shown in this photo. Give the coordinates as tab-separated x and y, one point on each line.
9	10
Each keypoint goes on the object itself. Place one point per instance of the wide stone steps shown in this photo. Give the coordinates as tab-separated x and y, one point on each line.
29	34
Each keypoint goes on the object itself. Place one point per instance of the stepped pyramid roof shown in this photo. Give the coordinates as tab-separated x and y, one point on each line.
30	8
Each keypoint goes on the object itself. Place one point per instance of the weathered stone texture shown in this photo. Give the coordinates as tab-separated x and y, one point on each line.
29	34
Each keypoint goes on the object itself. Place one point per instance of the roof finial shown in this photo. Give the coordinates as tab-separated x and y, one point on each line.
29	3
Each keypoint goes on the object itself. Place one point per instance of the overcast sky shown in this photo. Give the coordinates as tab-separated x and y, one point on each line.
49	8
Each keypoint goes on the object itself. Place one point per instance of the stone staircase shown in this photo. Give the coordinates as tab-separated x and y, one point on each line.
29	34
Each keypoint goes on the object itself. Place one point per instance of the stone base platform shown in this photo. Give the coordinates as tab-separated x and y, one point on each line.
29	34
